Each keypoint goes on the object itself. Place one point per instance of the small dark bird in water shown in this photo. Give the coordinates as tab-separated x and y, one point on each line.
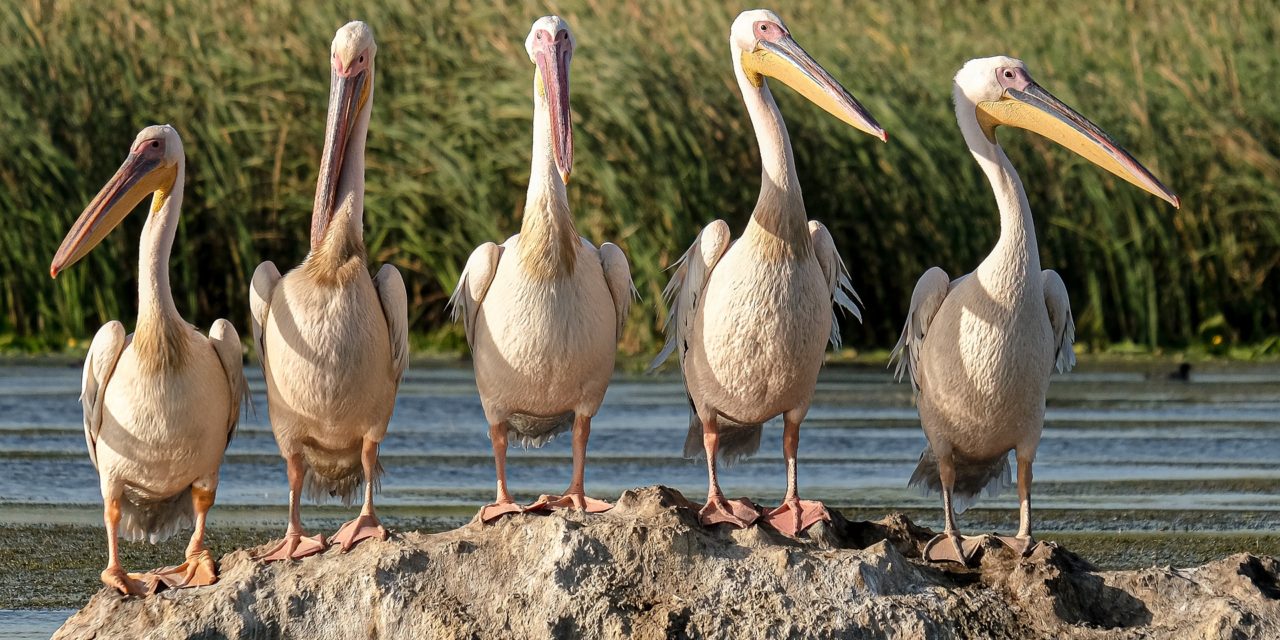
1182	374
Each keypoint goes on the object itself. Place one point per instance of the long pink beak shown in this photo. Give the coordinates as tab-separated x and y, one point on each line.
552	59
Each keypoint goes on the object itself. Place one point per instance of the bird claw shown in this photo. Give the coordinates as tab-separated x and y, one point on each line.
1023	546
130	584
494	511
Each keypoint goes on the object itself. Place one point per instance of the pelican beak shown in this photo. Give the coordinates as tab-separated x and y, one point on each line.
348	93
139	176
552	60
784	60
1034	109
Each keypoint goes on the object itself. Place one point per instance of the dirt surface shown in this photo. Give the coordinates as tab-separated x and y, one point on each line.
647	569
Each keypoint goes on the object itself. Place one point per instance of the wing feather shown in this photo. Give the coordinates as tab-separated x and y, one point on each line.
226	343
395	307
265	278
99	365
1064	326
840	288
684	292
617	275
473	285
930	291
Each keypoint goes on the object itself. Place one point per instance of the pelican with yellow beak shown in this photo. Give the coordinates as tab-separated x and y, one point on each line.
160	404
333	342
544	310
751	319
980	349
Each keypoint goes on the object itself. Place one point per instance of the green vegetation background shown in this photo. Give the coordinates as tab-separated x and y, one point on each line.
663	146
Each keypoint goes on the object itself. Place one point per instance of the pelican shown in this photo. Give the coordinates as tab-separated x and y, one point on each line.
544	310
333	342
160	404
752	318
979	349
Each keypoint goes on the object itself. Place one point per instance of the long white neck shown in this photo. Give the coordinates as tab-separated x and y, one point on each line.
548	240
155	298
779	210
1015	258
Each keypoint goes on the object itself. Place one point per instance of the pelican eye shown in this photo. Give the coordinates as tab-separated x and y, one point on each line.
1008	74
361	60
155	144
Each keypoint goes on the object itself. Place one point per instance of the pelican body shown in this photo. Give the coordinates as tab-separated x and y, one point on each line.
980	349
544	310
751	319
160	404
333	342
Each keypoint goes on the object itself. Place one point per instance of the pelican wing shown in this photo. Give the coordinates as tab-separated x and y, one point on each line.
265	278
474	284
684	292
104	354
840	288
617	275
1064	327
395	306
226	343
931	290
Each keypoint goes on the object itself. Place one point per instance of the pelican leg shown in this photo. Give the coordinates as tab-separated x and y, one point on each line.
1022	543
503	504
366	525
199	569
575	496
296	545
794	515
114	575
950	546
741	512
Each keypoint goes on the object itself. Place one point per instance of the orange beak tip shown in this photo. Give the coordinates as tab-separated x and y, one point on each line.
1177	202
884	136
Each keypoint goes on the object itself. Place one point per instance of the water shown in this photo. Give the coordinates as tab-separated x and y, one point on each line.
1116	440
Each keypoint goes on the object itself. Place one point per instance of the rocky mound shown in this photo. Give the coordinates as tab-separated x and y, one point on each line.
647	569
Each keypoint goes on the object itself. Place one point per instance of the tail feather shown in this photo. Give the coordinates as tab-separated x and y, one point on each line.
535	431
335	474
144	518
972	479
737	441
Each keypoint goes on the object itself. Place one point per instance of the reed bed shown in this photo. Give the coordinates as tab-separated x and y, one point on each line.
663	146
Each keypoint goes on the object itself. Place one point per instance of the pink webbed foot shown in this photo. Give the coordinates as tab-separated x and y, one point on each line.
496	510
740	513
362	528
1023	546
953	548
294	546
796	515
570	501
198	571
130	584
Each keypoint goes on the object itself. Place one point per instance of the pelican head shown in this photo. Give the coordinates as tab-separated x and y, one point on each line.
151	167
350	87
550	47
999	91
765	48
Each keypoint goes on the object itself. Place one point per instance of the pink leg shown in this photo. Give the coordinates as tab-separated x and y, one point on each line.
296	544
1022	543
950	546
794	515
503	504
575	496
366	525
740	513
199	569
114	575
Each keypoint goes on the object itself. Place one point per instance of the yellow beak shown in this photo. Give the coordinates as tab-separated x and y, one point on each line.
137	178
785	61
1035	109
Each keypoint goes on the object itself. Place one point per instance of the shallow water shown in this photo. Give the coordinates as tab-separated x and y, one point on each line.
1124	450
